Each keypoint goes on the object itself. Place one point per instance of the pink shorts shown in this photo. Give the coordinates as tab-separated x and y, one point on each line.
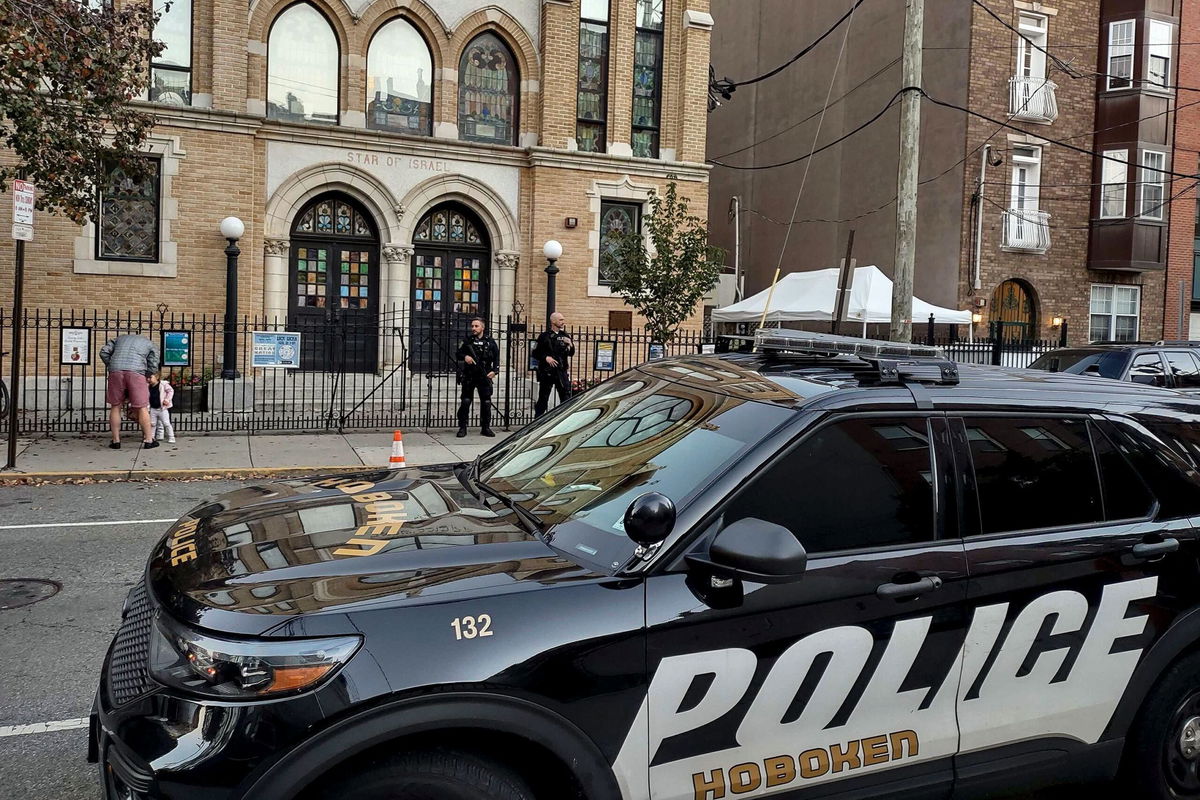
124	385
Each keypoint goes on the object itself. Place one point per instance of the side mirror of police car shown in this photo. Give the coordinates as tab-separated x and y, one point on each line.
754	550
649	519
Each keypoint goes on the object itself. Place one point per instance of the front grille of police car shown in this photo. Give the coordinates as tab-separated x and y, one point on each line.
128	678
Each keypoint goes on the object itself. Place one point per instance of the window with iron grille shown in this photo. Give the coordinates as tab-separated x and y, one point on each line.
128	215
616	218
592	98
647	78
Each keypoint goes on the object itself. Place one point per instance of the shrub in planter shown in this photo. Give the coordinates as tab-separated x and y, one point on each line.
191	390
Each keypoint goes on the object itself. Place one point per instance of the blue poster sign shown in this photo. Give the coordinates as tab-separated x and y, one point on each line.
275	350
176	348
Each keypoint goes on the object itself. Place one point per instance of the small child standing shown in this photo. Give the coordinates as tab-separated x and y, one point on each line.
161	394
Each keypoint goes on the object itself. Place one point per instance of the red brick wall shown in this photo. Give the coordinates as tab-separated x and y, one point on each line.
1183	209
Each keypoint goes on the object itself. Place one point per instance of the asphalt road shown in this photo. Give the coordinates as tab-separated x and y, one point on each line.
51	652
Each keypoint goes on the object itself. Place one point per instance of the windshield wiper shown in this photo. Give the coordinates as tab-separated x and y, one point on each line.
527	517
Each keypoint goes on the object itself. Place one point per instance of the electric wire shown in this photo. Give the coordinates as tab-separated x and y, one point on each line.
847	16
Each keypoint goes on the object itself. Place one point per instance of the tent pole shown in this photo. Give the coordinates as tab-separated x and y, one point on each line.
762	323
843	283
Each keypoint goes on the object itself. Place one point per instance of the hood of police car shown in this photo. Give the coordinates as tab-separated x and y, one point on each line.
317	545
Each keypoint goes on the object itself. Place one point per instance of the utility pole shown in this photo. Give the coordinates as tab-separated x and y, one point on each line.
735	211
906	183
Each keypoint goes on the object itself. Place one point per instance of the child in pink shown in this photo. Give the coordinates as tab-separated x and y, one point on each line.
161	394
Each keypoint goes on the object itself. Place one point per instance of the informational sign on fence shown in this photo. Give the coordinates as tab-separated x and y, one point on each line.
606	356
176	348
275	350
655	351
75	346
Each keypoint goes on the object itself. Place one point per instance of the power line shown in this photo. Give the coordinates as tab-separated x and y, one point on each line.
779	133
1158	207
801	54
1069	69
824	147
1059	142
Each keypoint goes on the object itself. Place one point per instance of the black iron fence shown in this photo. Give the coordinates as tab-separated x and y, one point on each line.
390	371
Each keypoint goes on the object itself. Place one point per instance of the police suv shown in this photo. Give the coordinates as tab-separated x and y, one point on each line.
830	567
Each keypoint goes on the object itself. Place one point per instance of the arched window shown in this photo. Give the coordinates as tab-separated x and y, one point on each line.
302	67
400	80
487	92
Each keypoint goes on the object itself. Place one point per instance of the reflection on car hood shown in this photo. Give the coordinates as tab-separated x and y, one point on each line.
305	546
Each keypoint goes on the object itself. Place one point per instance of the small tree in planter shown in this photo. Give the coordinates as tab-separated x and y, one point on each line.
191	389
665	281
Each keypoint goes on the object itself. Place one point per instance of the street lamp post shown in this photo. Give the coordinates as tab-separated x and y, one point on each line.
552	250
232	229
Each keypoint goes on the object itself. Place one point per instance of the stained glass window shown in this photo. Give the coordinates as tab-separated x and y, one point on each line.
592	98
312	272
302	67
128	218
447	225
619	218
400	80
334	217
354	278
487	92
427	283
647	78
171	70
468	285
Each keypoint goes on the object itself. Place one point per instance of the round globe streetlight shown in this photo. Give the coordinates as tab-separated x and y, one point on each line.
552	250
232	229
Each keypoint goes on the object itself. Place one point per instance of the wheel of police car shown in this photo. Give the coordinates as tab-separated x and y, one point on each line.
431	775
1164	751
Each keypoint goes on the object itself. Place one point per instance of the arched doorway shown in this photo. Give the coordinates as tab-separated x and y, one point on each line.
451	262
1015	310
333	285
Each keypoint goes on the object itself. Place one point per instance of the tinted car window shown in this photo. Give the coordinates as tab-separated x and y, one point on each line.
1147	368
1125	494
1105	363
1184	368
1033	473
854	484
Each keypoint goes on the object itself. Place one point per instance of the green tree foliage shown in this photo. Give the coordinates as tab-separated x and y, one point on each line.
664	281
68	71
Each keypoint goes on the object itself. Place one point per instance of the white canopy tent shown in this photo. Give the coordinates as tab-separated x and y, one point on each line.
808	296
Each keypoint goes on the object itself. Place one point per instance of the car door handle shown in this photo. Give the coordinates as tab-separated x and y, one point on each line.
903	591
1155	549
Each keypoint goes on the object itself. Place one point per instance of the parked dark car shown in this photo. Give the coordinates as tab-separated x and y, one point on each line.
1171	365
829	567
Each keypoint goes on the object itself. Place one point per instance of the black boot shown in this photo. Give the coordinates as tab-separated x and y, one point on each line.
488	432
462	431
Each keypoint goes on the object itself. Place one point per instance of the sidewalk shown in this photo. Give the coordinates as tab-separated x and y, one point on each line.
73	457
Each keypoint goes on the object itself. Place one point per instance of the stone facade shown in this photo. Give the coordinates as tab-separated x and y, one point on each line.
222	156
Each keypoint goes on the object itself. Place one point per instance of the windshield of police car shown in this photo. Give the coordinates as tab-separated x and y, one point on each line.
579	468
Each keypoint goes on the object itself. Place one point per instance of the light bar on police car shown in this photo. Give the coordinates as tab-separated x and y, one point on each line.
793	341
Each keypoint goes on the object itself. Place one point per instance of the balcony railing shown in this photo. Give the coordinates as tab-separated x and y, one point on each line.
1032	99
1026	231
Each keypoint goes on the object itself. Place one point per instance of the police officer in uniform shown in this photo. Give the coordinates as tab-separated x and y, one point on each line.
553	351
479	361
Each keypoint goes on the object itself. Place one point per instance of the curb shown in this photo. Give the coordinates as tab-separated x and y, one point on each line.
231	473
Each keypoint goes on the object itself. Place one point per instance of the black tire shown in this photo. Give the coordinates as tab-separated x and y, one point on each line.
1156	766
3	400
430	775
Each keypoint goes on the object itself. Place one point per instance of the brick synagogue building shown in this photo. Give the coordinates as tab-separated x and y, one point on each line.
391	153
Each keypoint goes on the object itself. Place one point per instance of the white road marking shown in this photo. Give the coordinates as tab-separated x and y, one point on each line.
88	524
44	727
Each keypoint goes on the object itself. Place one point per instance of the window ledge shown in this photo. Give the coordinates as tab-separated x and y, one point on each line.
140	269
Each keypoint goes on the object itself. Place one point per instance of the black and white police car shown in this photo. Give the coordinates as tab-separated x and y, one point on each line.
831	567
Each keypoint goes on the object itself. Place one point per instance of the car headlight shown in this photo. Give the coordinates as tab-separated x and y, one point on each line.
229	669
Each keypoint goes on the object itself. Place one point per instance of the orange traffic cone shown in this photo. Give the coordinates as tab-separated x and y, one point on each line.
397	459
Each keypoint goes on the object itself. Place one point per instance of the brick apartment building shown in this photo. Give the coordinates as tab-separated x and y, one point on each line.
387	153
1012	222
